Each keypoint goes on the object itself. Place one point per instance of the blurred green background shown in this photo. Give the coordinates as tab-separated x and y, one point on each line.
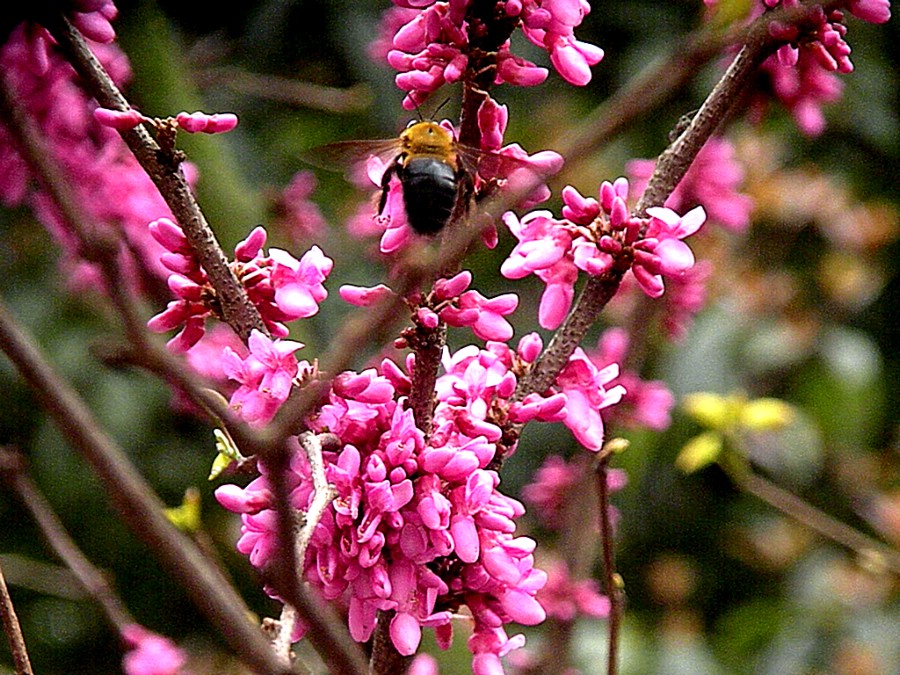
802	307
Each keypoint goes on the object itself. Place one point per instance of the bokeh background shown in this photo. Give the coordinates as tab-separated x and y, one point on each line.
802	306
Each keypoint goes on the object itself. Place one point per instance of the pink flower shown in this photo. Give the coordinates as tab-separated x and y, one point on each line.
150	654
565	598
483	315
586	395
661	251
281	287
298	284
266	376
107	183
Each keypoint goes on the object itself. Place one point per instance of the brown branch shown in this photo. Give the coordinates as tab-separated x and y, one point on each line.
166	173
94	582
612	580
13	630
138	506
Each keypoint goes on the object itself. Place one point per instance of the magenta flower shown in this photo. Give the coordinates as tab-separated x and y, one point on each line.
586	395
566	599
431	48
265	376
150	654
299	284
281	287
418	527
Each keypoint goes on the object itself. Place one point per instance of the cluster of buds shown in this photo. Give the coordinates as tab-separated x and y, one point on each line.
598	237
281	287
419	526
436	46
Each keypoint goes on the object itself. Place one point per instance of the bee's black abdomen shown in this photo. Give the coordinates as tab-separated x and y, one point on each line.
429	193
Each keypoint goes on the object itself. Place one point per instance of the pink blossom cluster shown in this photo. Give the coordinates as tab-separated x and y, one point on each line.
150	654
419	526
802	71
434	46
281	287
108	184
598	237
713	181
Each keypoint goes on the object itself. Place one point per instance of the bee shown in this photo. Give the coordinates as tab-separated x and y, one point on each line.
437	174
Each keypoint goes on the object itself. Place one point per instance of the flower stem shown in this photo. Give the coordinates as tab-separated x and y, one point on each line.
612	581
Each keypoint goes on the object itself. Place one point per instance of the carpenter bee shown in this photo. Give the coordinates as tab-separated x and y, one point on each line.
437	174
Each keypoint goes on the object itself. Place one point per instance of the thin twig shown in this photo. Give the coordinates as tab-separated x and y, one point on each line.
611	578
166	173
13	630
136	503
323	492
871	552
94	582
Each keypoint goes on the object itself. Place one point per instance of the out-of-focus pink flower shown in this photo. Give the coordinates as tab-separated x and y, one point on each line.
108	185
565	598
364	297
301	217
713	182
646	403
150	654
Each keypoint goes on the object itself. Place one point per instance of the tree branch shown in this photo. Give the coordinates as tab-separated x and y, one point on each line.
138	506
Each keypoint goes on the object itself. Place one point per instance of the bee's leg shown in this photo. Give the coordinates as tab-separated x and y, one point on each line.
386	184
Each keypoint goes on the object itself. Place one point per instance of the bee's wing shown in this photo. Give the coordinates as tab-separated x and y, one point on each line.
349	155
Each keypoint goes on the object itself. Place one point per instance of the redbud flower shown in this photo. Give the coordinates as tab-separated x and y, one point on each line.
108	184
586	395
300	216
565	598
645	403
281	287
215	123
266	376
362	296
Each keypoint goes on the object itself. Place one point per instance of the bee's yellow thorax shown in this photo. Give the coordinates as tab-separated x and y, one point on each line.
429	138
